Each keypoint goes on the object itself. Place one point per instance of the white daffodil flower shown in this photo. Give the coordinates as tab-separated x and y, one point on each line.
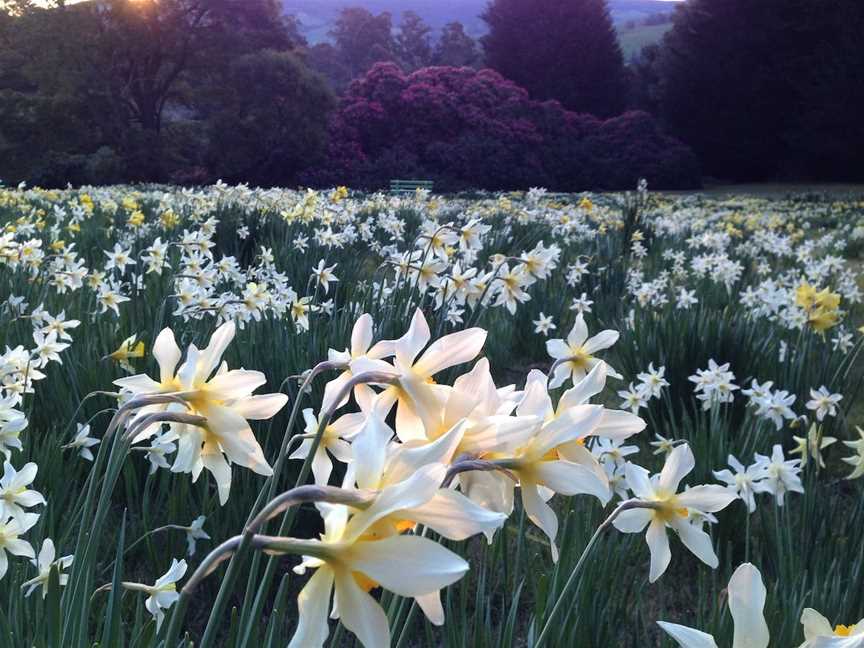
14	494
782	475
11	531
195	532
823	402
448	512
361	347
221	396
83	442
350	561
744	482
746	603
414	369
332	441
673	510
163	593
575	355
44	562
818	632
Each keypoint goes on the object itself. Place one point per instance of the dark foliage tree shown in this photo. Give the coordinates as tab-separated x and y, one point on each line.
645	80
144	48
53	116
271	119
124	90
455	48
558	49
469	129
327	60
766	89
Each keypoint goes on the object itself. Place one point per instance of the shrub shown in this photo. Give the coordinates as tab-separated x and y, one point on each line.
465	128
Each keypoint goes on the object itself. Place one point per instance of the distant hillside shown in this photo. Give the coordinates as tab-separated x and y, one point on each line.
317	16
635	38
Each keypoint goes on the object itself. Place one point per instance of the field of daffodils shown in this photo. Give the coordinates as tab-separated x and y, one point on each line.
238	417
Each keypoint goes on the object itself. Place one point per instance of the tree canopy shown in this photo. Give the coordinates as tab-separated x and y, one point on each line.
765	89
559	49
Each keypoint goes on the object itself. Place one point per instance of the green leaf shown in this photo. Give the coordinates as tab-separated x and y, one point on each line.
53	626
112	632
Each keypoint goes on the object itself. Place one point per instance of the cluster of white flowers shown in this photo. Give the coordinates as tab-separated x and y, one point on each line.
650	385
714	384
775	475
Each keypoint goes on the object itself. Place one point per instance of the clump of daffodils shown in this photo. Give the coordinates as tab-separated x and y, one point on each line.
451	459
822	307
203	386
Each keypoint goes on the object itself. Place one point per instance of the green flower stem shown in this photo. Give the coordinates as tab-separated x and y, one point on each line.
558	607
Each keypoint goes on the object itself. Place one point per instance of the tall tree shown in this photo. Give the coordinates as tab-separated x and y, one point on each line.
455	48
363	39
558	49
124	90
767	89
53	115
270	119
146	46
148	52
413	43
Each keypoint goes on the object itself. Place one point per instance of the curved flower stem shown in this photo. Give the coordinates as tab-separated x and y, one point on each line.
152	532
162	417
318	369
211	561
288	518
426	252
227	585
266	493
96	505
469	464
251	540
306	494
127	409
572	579
92	394
475	314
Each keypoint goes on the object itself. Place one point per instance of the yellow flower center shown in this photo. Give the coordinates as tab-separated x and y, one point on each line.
10	495
579	357
843	630
365	583
669	508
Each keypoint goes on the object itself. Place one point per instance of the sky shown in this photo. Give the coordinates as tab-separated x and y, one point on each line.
358	2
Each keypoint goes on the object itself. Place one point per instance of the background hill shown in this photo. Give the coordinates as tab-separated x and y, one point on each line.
317	16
